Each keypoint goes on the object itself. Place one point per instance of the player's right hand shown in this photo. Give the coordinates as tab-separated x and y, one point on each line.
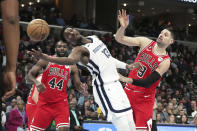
40	86
129	80
37	53
123	18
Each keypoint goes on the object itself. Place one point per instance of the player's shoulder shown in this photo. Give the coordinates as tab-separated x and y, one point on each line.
144	41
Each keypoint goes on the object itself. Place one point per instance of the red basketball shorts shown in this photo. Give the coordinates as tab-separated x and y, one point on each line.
46	112
142	105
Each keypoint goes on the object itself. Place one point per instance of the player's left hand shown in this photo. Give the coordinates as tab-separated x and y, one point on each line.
134	66
9	79
40	86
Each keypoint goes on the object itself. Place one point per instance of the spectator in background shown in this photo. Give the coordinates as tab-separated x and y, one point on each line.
13	105
60	20
89	112
75	117
158	118
194	118
100	114
3	117
184	119
163	114
172	119
17	118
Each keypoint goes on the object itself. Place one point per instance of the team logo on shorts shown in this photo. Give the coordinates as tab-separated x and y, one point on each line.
160	59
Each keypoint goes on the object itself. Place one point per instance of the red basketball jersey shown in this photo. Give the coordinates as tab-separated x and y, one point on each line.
29	99
150	61
55	79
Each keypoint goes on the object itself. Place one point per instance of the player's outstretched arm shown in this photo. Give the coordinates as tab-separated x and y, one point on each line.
125	79
31	76
121	65
72	59
153	77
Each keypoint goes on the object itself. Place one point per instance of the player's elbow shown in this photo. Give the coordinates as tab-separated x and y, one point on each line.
11	19
118	38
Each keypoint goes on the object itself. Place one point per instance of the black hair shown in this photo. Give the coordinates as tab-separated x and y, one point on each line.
171	31
62	33
60	41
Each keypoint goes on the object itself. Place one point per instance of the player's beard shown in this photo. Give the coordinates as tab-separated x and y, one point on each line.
78	42
61	54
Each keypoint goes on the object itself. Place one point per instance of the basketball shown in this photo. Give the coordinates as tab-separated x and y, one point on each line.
38	30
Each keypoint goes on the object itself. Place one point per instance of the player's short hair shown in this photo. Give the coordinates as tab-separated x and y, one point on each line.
60	42
62	32
171	32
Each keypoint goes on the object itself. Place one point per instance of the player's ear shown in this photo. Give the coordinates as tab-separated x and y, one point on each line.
171	41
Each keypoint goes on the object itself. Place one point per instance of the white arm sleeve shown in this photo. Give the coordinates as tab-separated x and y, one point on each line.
119	64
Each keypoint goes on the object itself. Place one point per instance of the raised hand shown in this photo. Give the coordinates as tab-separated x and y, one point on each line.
123	18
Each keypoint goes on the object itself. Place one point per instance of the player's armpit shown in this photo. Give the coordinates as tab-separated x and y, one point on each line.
78	54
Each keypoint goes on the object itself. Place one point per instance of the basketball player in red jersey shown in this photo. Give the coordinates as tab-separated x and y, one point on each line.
32	102
155	61
53	103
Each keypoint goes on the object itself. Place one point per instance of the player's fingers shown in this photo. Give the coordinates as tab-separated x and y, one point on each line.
122	13
39	49
125	12
34	52
119	13
29	52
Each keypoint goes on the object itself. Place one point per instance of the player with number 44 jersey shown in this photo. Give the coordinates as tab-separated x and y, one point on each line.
52	100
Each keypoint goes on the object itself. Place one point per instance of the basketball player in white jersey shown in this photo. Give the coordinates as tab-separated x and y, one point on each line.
108	91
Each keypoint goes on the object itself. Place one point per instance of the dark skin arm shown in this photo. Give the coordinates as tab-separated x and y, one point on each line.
11	36
31	76
76	55
75	73
77	82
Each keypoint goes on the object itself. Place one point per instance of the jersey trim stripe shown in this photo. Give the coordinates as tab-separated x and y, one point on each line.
90	68
104	93
101	98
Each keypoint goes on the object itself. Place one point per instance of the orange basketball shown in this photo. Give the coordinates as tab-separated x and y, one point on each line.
38	30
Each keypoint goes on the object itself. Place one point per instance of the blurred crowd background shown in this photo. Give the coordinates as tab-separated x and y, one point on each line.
176	95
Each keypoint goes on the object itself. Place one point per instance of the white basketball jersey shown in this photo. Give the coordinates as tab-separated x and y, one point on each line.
108	91
101	59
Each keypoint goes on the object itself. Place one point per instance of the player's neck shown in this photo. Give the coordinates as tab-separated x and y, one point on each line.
159	50
85	40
